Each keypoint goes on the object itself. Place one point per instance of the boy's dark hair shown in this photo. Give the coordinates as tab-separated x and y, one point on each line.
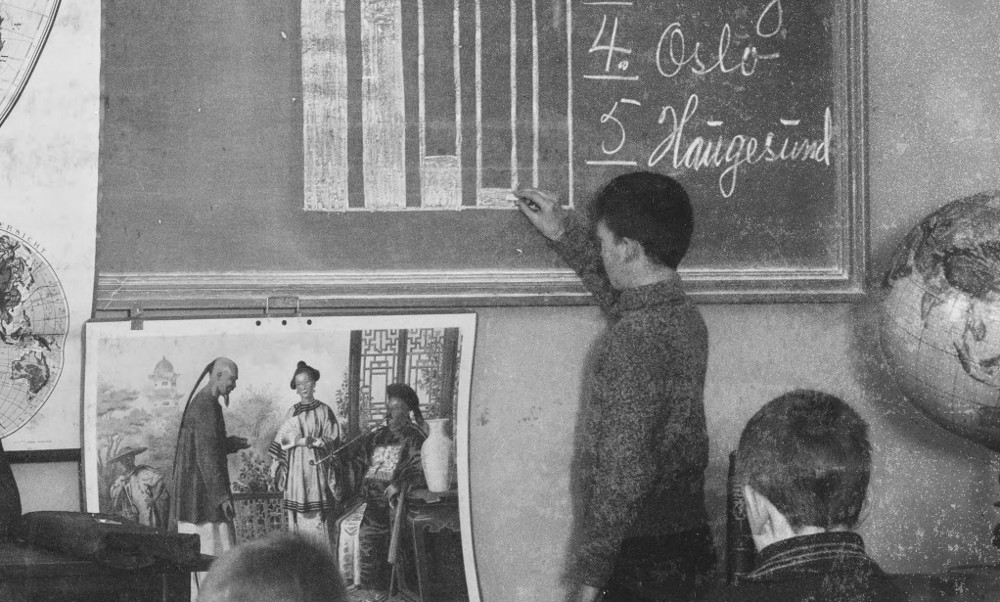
286	567
808	453
650	208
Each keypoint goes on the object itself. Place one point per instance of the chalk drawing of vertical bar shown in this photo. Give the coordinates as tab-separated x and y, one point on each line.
459	141
479	97
495	127
553	98
468	76
421	90
535	148
410	32
440	171
524	71
514	93
355	134
382	110
324	105
570	192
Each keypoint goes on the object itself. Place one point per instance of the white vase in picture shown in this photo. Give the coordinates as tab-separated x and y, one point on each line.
435	455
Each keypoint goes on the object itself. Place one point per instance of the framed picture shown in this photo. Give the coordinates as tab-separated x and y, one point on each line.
137	382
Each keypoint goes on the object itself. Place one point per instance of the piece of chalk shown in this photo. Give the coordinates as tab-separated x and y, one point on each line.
531	205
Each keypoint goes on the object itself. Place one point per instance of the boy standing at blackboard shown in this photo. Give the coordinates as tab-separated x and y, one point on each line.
642	529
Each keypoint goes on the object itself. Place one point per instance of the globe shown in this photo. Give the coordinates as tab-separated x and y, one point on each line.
940	317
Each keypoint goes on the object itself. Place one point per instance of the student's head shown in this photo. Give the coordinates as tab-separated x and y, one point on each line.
279	568
807	454
651	209
223	375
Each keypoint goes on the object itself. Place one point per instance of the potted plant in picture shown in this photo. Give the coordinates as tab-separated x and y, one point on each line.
258	506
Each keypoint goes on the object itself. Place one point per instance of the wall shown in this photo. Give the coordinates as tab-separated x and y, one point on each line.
934	133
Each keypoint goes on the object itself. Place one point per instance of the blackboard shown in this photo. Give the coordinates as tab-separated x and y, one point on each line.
363	156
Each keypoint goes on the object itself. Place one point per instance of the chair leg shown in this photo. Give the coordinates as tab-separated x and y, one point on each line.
420	560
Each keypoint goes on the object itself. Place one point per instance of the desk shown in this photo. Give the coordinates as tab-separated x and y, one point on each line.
38	575
428	512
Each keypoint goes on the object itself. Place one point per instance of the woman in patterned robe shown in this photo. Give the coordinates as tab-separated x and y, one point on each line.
309	432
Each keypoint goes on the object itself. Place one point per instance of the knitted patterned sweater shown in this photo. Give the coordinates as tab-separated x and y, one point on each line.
643	445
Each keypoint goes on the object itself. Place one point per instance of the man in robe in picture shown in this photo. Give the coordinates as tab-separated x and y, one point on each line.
388	462
139	494
201	500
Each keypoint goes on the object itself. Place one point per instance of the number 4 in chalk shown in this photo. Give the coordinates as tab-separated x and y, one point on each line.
610	47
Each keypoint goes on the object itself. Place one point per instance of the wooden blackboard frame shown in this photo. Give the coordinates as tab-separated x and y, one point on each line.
543	280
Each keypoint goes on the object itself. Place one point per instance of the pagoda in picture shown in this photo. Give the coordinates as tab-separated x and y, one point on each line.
161	390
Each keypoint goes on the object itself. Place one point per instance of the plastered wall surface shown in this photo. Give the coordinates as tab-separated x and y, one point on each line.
934	98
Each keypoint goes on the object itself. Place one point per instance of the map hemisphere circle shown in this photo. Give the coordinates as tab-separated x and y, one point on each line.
34	324
25	26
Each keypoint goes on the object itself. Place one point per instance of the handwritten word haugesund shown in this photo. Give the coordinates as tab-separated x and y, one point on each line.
701	152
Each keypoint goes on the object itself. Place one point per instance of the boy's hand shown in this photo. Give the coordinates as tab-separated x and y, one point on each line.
543	210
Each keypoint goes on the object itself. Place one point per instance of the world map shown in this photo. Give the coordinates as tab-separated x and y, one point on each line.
34	322
24	28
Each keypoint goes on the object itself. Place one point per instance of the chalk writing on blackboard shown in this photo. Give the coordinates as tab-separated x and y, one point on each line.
679	148
431	105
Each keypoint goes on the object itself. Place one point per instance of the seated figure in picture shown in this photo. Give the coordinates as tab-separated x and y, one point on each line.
139	493
378	466
804	461
309	432
284	567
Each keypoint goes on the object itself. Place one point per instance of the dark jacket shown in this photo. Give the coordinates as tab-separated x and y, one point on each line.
826	567
201	473
643	446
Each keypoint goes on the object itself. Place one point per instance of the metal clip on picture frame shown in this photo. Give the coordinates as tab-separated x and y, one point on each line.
282	303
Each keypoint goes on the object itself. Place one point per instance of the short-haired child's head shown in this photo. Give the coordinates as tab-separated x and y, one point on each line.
808	453
650	208
280	568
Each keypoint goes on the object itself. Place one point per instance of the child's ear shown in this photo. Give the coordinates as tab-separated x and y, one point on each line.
758	511
633	248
